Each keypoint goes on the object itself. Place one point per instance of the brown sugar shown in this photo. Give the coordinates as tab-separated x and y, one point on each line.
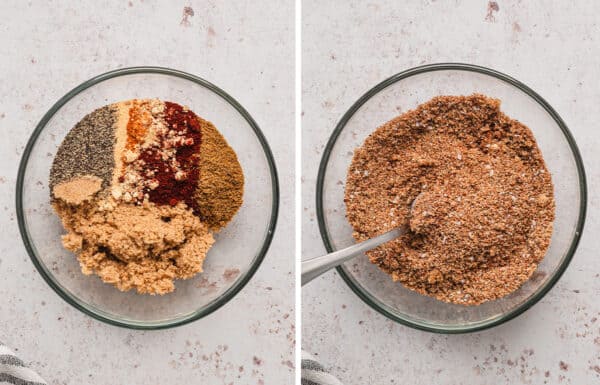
142	247
483	199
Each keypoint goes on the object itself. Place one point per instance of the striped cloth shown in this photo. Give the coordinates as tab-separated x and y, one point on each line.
14	372
313	372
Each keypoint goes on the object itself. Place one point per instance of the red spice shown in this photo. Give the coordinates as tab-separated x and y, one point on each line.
170	190
137	125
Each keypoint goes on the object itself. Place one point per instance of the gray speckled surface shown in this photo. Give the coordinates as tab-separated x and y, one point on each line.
46	51
551	46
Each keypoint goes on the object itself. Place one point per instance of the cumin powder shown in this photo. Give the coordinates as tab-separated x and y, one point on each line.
221	184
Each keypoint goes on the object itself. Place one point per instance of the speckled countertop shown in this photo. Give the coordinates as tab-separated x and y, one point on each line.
46	51
553	47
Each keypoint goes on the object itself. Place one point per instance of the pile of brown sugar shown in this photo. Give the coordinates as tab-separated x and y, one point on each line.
483	199
142	247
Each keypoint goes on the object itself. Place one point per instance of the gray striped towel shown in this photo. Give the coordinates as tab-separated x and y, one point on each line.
14	372
313	372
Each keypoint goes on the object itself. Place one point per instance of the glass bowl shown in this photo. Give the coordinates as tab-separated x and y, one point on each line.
239	248
401	93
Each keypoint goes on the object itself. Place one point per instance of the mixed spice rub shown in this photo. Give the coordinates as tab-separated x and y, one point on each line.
471	186
140	187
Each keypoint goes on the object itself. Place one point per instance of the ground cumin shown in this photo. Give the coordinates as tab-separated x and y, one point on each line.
483	199
221	185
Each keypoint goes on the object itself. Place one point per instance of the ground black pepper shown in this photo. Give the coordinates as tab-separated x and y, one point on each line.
87	149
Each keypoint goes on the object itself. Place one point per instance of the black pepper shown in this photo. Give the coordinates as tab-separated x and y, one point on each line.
87	149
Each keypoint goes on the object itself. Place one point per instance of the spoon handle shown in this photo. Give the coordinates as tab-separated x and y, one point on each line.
313	267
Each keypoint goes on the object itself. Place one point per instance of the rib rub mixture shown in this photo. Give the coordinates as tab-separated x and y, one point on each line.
483	199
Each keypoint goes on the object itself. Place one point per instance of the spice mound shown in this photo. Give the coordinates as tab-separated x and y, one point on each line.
471	186
140	187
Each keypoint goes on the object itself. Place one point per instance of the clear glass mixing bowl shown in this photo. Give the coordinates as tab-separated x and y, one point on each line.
239	248
403	92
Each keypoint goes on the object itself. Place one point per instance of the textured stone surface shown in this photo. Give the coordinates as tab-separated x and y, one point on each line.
46	51
552	47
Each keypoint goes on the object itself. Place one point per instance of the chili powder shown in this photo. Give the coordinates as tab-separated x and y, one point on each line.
170	190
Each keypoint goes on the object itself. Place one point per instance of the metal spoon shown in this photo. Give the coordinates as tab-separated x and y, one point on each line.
313	267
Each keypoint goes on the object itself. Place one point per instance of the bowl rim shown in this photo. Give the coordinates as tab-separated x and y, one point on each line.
214	304
371	300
